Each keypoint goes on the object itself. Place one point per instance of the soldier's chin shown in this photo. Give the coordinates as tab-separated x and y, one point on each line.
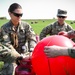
18	20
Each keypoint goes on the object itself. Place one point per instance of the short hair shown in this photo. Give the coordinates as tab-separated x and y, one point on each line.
13	7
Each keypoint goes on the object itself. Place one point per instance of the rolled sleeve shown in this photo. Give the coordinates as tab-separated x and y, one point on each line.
71	52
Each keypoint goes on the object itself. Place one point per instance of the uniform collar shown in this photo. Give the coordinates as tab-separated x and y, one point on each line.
64	24
19	25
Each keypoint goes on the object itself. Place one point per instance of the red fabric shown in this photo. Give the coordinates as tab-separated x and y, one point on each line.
25	67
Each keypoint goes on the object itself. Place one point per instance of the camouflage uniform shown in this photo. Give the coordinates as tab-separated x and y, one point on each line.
19	36
71	52
54	29
15	38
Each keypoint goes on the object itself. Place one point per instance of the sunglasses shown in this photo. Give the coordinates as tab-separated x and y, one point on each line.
62	16
17	15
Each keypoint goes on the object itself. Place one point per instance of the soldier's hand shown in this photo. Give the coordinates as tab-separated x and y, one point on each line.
52	51
18	59
63	33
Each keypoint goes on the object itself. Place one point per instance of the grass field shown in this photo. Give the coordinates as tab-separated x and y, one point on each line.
37	26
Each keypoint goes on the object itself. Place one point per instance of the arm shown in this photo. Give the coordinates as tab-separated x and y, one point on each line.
5	36
45	31
53	51
69	34
31	37
9	54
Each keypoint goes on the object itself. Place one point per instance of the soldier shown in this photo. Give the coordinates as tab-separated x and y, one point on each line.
57	26
53	51
16	33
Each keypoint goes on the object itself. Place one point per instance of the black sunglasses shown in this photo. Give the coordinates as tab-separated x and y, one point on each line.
17	15
62	16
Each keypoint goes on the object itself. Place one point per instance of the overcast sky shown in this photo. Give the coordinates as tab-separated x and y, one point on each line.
40	9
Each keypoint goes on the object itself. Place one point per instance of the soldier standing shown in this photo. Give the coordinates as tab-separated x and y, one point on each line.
59	25
16	33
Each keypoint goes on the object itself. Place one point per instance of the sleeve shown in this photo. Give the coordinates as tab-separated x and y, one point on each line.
6	54
71	34
71	52
69	27
71	31
5	36
45	31
30	34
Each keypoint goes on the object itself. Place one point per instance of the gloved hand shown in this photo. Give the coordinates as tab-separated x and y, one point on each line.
53	51
21	58
18	59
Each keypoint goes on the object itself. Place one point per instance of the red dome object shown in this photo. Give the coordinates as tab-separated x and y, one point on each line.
61	65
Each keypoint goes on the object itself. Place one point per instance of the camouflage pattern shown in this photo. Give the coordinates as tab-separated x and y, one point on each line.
7	69
71	52
71	33
54	29
18	36
8	56
14	41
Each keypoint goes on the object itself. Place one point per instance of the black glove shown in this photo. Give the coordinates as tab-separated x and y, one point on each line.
18	59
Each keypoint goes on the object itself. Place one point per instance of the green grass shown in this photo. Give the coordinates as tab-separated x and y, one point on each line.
3	22
37	27
1	64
